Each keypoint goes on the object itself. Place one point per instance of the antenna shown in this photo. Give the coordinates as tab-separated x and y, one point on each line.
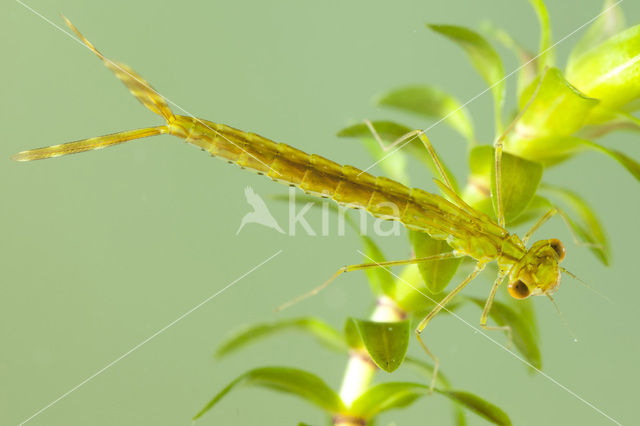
564	320
572	275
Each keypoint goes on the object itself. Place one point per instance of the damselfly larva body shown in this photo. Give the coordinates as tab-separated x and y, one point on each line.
533	271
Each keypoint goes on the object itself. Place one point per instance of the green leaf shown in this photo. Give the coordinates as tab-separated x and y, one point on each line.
485	60
480	193
610	72
321	331
479	406
520	179
628	163
289	380
435	273
558	109
545	52
386	342
583	221
609	23
431	102
389	132
549	150
526	312
387	396
524	336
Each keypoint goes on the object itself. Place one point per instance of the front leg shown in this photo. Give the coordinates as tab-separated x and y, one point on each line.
487	309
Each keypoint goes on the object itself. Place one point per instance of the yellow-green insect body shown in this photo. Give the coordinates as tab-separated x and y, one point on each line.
469	232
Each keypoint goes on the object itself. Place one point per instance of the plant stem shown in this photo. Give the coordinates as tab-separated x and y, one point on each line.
360	368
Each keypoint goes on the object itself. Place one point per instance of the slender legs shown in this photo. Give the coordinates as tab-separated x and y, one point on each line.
362	266
425	141
548	215
498	146
436	363
489	303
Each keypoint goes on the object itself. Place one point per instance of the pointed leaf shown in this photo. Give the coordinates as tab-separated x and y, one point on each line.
545	52
583	221
548	150
479	406
431	102
558	109
390	132
608	24
524	338
485	60
321	331
386	342
387	396
610	72
435	273
289	380
628	163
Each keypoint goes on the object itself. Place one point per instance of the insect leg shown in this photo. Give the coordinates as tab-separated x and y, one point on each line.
435	159
548	215
479	267
487	308
498	146
425	141
363	266
555	210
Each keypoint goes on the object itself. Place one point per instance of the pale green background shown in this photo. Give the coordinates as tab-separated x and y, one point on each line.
100	251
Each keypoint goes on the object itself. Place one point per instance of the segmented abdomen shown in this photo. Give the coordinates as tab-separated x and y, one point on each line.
347	185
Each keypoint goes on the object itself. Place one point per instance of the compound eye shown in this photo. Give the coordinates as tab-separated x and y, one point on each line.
558	247
519	290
